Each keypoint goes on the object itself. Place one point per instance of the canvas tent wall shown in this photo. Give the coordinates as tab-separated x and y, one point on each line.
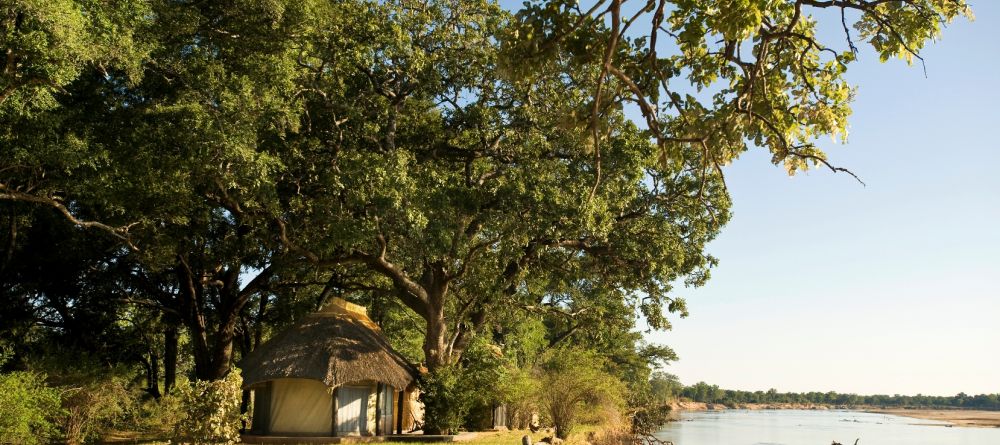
299	406
332	373
302	407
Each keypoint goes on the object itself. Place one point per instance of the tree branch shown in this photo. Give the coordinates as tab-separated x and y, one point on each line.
118	232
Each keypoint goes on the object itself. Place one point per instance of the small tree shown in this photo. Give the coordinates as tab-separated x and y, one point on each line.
445	400
664	387
572	379
212	411
518	392
451	393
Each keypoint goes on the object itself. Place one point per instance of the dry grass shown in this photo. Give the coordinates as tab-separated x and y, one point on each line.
513	437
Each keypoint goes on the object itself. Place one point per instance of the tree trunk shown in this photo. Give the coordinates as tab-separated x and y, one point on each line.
153	374
170	337
222	350
213	351
436	351
435	341
213	354
202	352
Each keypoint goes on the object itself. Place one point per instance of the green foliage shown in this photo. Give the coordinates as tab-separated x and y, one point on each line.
28	409
505	369
51	42
650	403
159	418
211	410
94	398
487	365
573	380
698	72
446	400
524	340
467	172
94	406
664	387
484	378
518	391
403	328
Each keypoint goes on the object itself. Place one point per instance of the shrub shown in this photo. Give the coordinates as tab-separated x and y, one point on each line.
211	410
446	400
571	380
94	398
93	406
159	418
518	391
484	378
27	409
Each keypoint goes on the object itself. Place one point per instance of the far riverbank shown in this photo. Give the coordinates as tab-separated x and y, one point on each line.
955	417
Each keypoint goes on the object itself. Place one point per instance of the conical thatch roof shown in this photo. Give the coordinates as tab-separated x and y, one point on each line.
337	345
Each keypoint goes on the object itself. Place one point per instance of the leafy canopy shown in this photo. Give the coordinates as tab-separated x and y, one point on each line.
455	156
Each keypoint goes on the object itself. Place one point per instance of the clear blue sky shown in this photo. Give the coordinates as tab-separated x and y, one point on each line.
890	288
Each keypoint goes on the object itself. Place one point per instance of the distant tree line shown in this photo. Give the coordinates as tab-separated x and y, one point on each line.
703	392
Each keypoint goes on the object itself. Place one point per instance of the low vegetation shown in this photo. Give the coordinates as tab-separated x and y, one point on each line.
91	404
28	409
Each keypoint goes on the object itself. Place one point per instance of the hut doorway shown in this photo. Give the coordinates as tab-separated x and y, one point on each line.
352	410
386	409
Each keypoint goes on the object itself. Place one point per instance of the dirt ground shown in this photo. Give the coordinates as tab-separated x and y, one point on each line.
987	419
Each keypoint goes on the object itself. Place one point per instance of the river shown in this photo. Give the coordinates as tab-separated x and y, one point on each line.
795	427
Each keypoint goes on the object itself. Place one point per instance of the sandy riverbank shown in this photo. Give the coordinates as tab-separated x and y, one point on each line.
701	406
957	417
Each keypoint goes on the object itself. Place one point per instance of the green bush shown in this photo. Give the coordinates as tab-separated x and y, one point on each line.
95	398
462	395
28	408
518	391
572	380
446	400
211	410
159	418
92	408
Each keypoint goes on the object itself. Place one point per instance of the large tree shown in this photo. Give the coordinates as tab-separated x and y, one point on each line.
475	159
449	154
461	187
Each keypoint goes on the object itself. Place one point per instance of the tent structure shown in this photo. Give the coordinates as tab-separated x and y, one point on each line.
331	374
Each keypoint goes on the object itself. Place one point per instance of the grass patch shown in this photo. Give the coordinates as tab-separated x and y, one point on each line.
513	437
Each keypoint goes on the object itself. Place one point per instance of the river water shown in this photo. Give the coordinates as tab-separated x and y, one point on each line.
794	427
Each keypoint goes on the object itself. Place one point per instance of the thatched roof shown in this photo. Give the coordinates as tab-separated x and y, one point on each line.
337	345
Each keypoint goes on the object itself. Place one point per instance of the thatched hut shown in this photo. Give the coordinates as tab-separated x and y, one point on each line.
331	374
